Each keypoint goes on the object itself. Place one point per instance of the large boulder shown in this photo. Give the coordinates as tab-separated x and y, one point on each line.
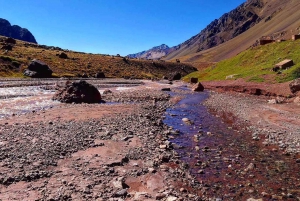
295	85
38	69
100	75
175	76
78	92
198	87
63	55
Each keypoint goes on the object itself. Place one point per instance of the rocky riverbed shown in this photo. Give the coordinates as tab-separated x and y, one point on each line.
128	149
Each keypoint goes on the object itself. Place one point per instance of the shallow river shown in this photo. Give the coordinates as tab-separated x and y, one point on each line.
224	157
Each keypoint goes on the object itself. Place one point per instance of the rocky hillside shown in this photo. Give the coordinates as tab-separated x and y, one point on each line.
66	63
272	15
14	31
153	53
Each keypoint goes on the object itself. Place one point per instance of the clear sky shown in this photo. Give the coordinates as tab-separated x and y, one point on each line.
113	26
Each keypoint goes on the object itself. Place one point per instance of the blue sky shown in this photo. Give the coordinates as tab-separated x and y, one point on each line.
113	26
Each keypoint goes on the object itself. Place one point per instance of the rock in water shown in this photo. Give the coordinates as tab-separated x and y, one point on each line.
198	87
38	69
78	92
295	85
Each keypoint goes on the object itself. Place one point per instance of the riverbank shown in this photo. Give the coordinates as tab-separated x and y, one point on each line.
271	123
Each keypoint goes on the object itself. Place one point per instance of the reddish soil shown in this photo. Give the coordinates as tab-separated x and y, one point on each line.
252	88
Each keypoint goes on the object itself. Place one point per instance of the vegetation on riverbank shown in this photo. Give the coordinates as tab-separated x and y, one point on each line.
256	64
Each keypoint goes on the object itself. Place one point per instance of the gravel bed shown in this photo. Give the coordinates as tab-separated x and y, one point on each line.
252	110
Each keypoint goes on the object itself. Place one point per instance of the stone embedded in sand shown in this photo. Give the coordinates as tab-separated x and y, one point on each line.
295	85
78	92
198	87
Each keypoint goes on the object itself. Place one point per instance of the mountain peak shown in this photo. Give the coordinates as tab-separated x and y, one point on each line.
154	53
15	31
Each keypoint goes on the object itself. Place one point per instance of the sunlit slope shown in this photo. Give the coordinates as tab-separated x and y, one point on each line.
285	19
12	63
256	64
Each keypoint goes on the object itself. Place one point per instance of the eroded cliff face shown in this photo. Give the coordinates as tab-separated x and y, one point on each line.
15	31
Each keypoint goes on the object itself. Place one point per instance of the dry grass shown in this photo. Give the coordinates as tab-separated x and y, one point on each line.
79	63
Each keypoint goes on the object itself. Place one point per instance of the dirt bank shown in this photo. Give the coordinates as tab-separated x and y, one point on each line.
241	86
273	123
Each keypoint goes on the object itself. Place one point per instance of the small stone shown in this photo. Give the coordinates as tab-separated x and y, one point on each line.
163	146
151	170
171	198
160	196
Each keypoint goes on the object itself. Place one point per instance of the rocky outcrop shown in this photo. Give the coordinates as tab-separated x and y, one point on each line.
223	29
78	92
295	85
38	69
153	53
6	29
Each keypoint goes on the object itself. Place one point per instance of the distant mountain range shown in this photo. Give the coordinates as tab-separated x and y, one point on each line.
15	31
234	32
153	53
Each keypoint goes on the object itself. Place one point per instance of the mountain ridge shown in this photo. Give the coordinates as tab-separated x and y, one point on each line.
15	31
238	29
154	53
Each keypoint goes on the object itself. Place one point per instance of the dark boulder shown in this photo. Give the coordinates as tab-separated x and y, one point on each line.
198	87
166	89
10	40
63	55
84	75
175	76
7	47
99	75
295	85
78	92
38	69
193	80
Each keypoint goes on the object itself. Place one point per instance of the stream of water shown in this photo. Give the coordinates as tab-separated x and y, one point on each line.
224	157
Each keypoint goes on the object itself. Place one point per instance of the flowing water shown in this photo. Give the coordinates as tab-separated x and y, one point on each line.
225	159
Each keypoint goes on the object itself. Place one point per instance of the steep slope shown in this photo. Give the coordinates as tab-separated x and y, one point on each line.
153	53
256	64
239	29
75	64
6	29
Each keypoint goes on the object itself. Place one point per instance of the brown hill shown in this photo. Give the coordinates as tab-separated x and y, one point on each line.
12	63
239	29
